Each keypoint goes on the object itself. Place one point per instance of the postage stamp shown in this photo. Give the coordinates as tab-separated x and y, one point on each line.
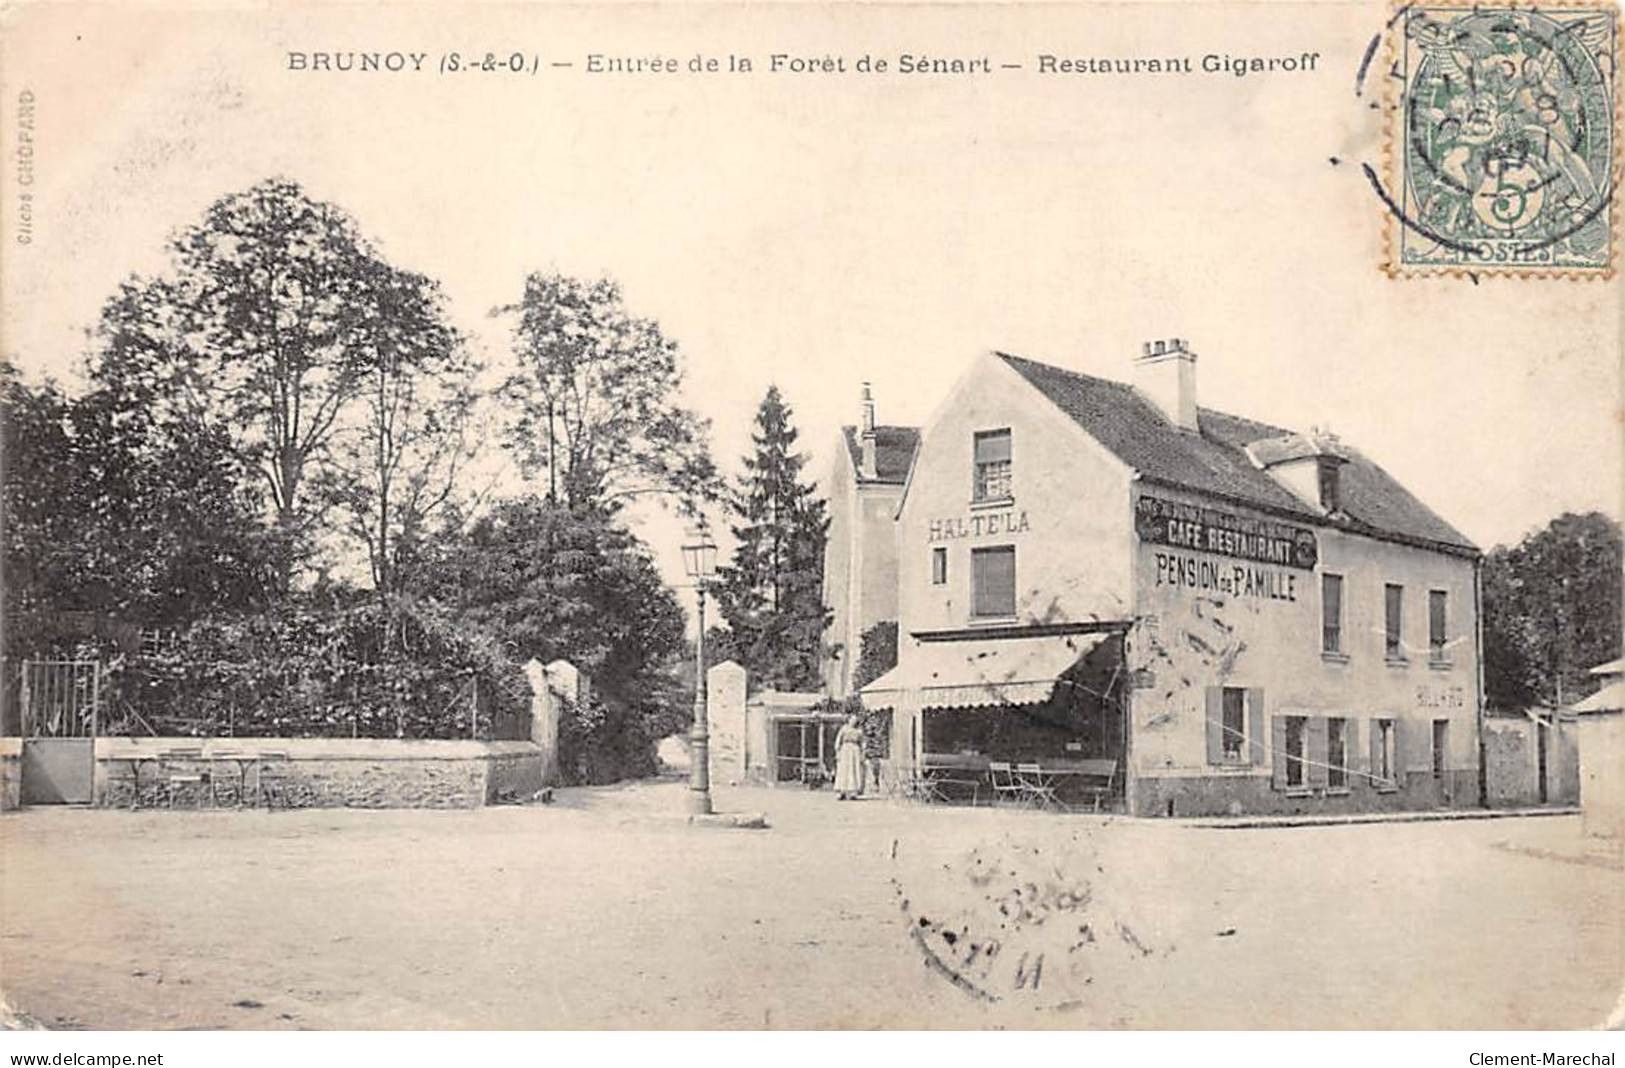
1505	141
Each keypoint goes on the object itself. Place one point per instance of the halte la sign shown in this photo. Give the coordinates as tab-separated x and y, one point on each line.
1009	521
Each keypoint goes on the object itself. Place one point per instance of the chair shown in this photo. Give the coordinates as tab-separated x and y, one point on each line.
272	789
1005	783
1036	786
1098	779
197	778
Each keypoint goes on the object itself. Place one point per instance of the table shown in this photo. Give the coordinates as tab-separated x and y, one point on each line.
135	761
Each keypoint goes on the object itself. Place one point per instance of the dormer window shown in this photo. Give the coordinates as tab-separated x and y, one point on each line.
992	462
1330	476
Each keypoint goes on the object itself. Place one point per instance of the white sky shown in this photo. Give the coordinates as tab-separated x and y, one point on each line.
815	231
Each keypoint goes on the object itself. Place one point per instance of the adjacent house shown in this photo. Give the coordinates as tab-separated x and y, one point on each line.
1601	721
1228	616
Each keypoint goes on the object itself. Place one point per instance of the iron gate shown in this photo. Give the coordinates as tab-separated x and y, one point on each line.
60	708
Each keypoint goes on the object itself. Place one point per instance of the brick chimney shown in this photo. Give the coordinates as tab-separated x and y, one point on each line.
866	437
1165	375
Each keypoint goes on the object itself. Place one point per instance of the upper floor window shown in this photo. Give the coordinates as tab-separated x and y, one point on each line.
993	582
992	476
1438	615
1393	599
939	565
1331	613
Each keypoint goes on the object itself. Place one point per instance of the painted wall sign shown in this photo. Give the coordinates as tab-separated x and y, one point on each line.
1208	530
1441	697
1234	580
978	525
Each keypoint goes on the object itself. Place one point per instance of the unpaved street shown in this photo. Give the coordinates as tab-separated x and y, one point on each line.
601	911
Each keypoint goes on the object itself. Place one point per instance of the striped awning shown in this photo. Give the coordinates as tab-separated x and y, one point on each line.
979	674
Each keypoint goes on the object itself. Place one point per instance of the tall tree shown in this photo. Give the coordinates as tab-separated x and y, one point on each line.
772	593
596	401
274	313
1552	611
396	463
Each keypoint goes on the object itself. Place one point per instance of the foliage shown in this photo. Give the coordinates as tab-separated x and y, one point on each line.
275	314
553	583
304	669
596	399
772	593
1552	611
874	722
877	653
114	507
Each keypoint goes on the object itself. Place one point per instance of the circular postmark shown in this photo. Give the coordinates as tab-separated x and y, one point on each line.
1506	140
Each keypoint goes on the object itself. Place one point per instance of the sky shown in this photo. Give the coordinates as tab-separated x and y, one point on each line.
818	230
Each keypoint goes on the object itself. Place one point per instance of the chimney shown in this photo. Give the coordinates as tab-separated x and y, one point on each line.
1165	374
866	438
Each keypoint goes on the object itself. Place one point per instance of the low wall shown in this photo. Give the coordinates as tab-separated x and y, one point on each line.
11	773
1253	794
1512	763
322	772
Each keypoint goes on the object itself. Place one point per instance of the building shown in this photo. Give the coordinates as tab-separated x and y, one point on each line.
1227	616
1601	720
860	561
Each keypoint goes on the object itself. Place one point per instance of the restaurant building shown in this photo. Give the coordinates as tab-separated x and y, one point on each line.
1229	616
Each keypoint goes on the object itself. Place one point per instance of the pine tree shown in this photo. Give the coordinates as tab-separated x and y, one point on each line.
772	593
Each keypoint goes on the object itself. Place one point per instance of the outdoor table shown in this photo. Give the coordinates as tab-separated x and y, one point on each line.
242	760
943	771
135	760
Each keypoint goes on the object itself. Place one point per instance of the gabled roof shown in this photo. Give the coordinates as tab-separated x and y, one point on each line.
894	452
1215	460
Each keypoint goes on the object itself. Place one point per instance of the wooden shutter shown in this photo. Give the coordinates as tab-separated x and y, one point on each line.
1402	751
993	581
1317	746
1353	755
1215	725
1278	751
992	446
1376	751
1255	725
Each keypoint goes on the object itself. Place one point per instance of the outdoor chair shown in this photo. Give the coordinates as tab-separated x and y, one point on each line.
1005	785
1098	779
269	784
1037	789
195	778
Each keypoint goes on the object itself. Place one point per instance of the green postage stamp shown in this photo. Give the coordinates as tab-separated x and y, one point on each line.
1506	140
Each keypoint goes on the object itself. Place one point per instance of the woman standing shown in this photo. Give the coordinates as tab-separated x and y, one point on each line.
849	760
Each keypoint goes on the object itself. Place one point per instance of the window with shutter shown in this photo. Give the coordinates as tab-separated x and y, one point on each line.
1337	753
1234	725
993	582
992	466
1438	606
1331	613
1296	739
1393	598
1317	751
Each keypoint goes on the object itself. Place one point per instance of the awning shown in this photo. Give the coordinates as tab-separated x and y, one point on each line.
1610	698
979	674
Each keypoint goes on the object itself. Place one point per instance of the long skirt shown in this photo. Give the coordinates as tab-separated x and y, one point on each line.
849	770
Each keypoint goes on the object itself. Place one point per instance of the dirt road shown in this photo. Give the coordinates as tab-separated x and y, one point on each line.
603	911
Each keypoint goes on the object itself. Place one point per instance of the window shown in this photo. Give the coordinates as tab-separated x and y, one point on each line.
1394	608
1233	737
1297	738
1326	467
1383	754
993	582
939	565
992	481
1331	613
1337	753
1441	745
1438	613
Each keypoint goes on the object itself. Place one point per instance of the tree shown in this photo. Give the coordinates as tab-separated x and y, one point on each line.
596	399
114	507
550	582
772	593
1552	611
398	463
877	653
274	314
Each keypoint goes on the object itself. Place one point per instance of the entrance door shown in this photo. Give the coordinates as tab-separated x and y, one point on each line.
60	711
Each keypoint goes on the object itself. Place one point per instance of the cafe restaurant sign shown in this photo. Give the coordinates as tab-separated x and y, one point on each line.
1208	530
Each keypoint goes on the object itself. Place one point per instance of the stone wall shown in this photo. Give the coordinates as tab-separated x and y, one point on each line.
319	772
1512	762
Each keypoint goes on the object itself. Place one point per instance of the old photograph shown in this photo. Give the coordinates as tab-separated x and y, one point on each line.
818	516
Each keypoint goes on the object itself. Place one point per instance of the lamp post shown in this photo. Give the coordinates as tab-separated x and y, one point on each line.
700	561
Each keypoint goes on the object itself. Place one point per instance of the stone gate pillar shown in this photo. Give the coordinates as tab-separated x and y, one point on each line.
725	709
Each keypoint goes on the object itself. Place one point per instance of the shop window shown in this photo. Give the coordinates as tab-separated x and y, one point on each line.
992	475
1331	614
1438	614
1441	746
1393	599
939	566
993	582
1337	753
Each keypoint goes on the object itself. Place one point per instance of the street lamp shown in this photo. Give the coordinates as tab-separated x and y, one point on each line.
700	561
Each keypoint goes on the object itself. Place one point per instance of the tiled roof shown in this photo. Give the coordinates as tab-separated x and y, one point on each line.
894	451
1215	460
